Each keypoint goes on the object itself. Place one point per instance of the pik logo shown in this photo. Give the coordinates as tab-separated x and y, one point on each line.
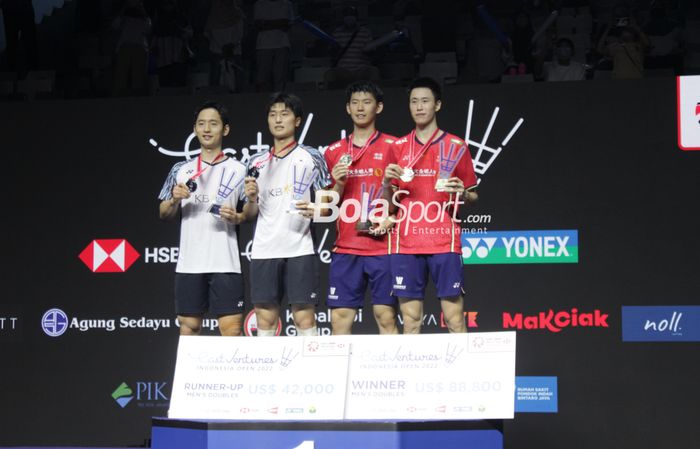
555	321
123	395
109	255
54	322
520	247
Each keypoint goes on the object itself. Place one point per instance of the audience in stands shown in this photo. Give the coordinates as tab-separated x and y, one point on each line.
131	58
195	43
351	61
272	21
626	49
170	45
562	68
224	30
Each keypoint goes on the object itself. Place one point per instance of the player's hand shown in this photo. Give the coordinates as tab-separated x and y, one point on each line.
230	215
251	189
305	209
180	192
340	173
392	171
454	185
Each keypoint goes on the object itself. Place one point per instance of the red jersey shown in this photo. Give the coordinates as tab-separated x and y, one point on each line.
427	218
365	176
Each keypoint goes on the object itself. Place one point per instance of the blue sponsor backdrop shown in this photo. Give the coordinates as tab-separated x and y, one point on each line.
661	323
536	394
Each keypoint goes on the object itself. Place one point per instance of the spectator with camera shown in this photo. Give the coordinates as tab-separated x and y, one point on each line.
626	49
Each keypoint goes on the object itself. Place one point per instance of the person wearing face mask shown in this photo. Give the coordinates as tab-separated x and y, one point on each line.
563	68
627	51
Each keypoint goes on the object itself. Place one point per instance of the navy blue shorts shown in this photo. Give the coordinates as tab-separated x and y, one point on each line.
349	276
409	273
220	293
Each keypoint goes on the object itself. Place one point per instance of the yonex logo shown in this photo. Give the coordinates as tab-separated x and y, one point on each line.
54	322
109	255
123	395
509	247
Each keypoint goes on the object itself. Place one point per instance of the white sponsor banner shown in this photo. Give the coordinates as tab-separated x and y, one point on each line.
358	377
438	376
272	378
689	112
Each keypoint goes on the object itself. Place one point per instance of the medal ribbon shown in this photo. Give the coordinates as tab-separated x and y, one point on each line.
356	157
414	159
294	142
201	170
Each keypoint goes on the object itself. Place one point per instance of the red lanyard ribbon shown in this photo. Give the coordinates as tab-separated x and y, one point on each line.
201	170
413	159
356	156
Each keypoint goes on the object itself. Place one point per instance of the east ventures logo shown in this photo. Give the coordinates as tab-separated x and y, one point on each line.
555	321
146	394
109	255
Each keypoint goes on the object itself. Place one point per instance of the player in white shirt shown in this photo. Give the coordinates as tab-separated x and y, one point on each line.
283	258
206	192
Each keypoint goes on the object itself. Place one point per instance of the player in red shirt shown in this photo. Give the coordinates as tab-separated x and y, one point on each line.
433	176
361	251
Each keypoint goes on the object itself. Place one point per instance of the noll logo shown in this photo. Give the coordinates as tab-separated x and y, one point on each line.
661	323
109	255
520	247
555	321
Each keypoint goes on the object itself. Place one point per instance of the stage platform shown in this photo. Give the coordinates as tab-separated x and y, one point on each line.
212	434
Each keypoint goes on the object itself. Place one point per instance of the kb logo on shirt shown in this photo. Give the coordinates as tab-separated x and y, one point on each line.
201	199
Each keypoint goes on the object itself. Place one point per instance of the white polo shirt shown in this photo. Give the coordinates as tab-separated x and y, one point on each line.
278	233
208	244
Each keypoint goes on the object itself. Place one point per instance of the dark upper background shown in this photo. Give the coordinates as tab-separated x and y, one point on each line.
74	49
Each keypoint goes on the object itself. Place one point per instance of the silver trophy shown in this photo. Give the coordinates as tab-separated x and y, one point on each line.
364	225
303	179
448	162
226	187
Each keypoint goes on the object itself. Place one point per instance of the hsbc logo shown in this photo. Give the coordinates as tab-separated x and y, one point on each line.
109	255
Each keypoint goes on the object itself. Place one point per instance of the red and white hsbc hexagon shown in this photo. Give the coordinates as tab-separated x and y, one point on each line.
109	255
689	112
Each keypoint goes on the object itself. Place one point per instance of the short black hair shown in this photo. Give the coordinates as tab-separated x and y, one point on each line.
566	41
364	86
428	83
291	102
220	108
